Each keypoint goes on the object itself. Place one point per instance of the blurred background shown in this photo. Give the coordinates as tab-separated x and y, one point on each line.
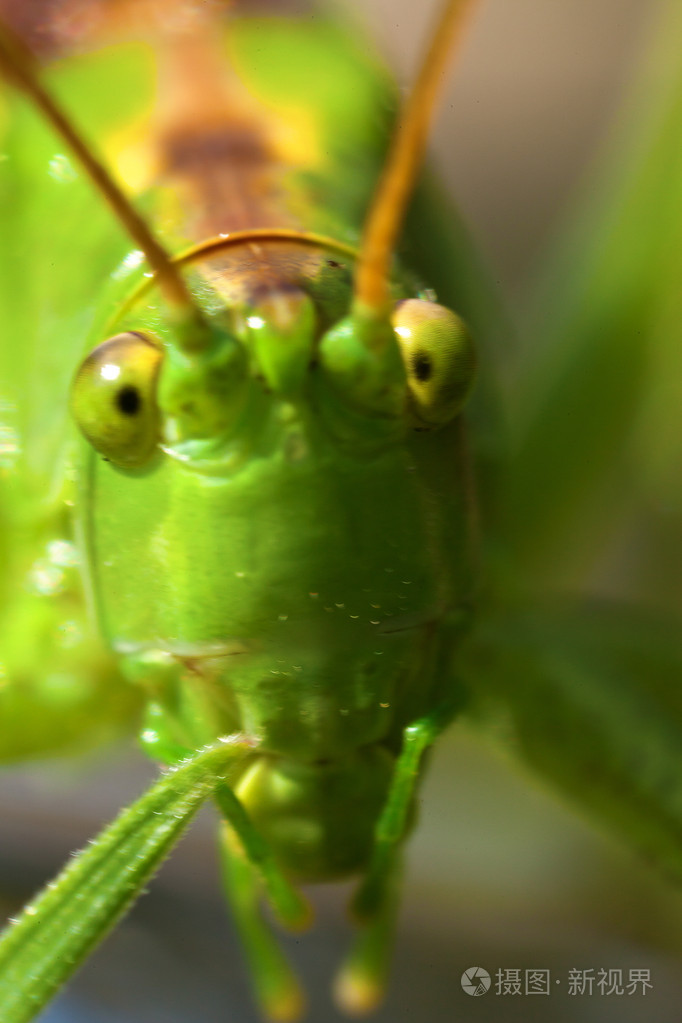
500	874
533	95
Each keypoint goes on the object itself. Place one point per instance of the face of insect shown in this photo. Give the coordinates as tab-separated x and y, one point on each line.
229	468
272	499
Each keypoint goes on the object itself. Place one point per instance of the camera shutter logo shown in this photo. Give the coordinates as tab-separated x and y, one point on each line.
475	981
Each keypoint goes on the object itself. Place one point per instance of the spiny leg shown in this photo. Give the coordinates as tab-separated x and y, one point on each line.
276	987
362	979
64	923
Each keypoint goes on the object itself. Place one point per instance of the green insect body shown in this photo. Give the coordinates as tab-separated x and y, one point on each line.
275	605
271	504
316	645
276	540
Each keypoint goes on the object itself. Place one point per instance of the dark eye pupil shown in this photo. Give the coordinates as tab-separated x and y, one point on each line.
128	400
422	367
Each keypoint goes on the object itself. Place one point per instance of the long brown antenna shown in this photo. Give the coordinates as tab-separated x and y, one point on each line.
19	65
386	213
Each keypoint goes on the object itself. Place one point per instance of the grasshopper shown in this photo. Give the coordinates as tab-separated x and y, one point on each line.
273	508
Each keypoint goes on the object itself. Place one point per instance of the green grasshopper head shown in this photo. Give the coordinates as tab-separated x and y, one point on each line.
134	393
385	361
272	461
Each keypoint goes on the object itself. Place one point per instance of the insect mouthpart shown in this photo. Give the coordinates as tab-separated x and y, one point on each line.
280	332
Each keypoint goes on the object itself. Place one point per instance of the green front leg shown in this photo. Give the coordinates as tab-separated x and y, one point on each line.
362	979
360	984
392	824
276	988
289	906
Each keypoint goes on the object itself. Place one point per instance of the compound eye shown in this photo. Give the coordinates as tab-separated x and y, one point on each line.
113	398
439	358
